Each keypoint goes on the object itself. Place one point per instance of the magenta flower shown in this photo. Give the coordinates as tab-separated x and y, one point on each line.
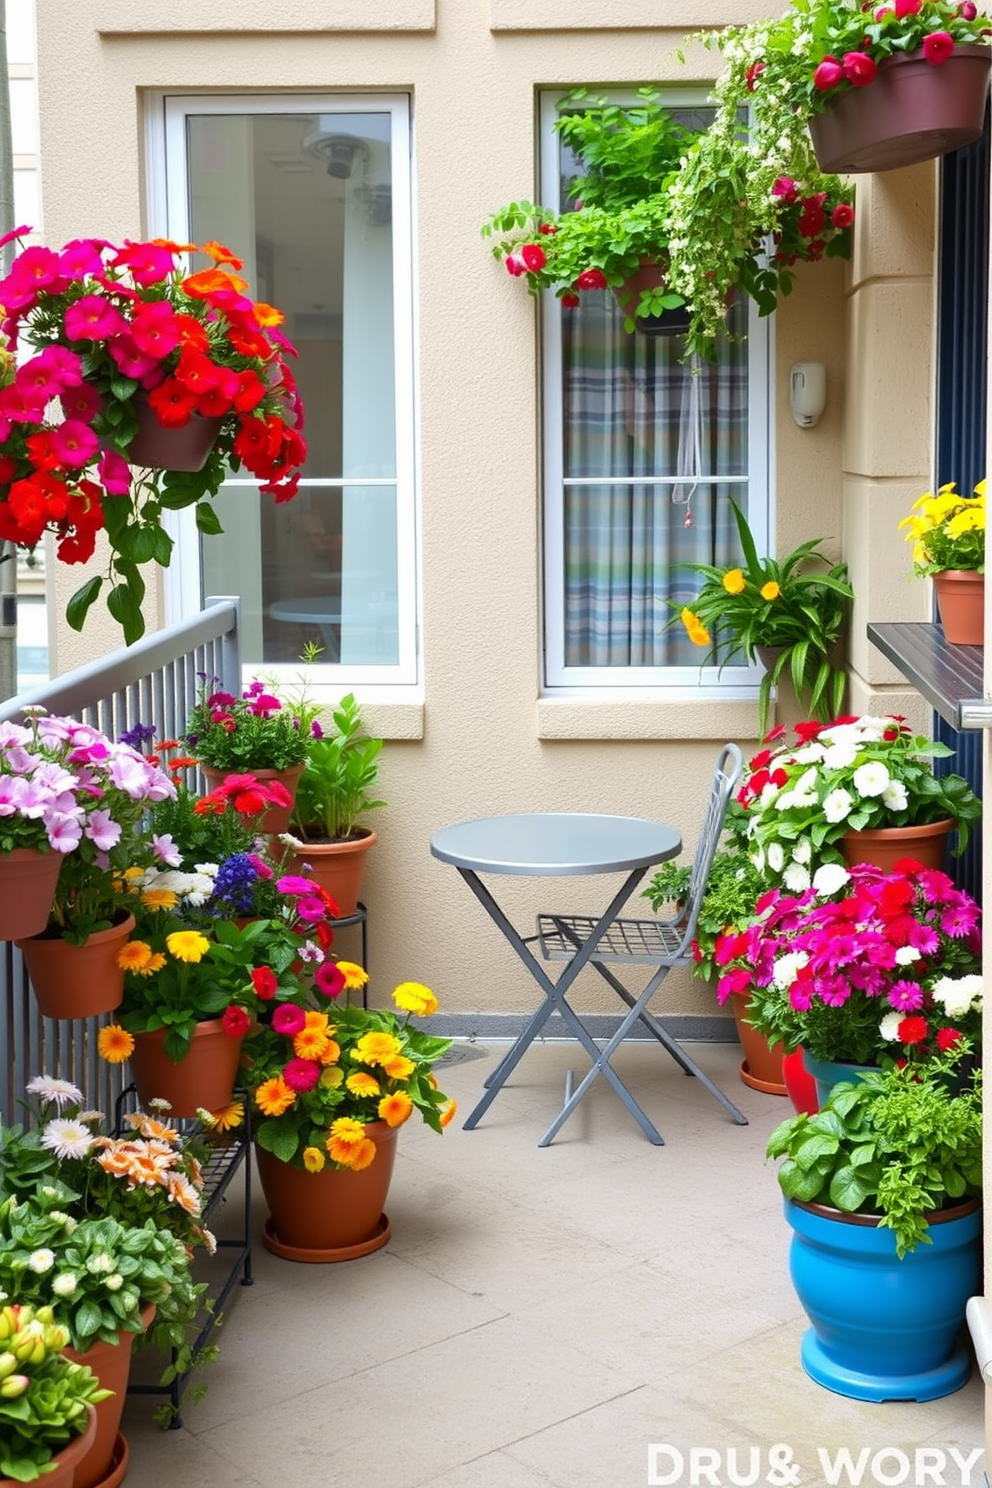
22	405
301	1074
93	318
904	8
260	866
312	910
859	69
82	402
129	359
329	980
80	258
288	1019
147	262
906	997
264	704
958	920
842	215
73	443
155	329
937	47
785	188
295	886
828	74
115	473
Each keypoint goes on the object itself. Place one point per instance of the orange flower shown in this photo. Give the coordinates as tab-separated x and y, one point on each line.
311	1043
114	1043
362	1084
268	315
376	1048
448	1113
395	1109
219	253
398	1068
155	964
363	1155
148	1126
134	956
273	1097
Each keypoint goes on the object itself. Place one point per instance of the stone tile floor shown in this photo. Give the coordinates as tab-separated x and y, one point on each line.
541	1317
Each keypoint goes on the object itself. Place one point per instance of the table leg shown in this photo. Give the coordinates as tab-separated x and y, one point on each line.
554	993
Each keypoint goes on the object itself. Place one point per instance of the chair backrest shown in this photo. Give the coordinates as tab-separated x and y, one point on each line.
729	769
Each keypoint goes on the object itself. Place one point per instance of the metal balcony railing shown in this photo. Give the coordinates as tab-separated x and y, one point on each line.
154	681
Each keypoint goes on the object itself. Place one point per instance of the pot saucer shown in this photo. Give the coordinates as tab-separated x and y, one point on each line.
767	1087
271	1241
118	1464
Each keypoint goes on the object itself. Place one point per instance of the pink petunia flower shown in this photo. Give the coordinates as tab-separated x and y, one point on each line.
937	47
73	443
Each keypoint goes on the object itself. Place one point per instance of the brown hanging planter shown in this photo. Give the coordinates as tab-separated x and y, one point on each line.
160	448
913	110
651	275
28	879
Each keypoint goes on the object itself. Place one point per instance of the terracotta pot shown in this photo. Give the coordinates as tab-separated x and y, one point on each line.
111	1363
761	1068
205	1077
77	981
28	879
158	448
63	1473
911	111
334	1215
339	867
651	275
884	846
274	819
961	606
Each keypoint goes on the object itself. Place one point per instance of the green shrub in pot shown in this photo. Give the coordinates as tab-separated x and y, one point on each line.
338	780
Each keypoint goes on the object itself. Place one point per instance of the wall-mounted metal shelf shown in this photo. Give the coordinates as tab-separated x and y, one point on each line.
951	678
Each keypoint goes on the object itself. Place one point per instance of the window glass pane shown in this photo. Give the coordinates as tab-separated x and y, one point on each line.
306	201
652	450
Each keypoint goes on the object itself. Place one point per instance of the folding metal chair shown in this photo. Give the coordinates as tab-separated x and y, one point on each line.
663	944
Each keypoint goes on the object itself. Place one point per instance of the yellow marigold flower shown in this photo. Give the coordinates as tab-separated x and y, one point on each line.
395	1109
332	1053
347	1129
114	1043
313	1159
345	1142
187	945
770	590
134	956
414	997
311	1043
699	635
159	899
398	1068
689	620
734	581
448	1112
361	1084
132	875
355	976
273	1097
319	1021
155	964
362	1155
228	1117
376	1048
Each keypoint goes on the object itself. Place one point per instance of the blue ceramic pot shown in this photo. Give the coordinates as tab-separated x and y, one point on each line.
884	1328
830	1072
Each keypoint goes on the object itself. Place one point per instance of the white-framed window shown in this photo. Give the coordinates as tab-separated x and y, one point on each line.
641	453
313	192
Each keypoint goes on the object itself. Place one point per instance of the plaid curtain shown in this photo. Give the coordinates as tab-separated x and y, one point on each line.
633	413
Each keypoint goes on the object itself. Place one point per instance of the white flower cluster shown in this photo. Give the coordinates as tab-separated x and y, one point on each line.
194	889
958	995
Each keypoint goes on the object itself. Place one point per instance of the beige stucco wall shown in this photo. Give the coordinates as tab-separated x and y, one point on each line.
489	742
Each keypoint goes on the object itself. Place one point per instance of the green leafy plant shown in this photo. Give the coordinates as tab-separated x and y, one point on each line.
618	219
796	606
732	890
43	1395
902	1144
338	778
256	731
799	800
949	532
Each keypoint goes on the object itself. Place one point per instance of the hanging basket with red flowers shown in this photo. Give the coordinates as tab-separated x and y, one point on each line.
132	347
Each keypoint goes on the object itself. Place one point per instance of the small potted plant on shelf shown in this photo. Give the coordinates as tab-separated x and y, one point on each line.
47	1402
335	790
72	962
136	349
257	733
864	968
614	235
948	537
333	1084
888	1163
787	613
860	790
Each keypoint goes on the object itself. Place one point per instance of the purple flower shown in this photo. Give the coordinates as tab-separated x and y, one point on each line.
958	920
292	884
166	850
142	733
906	997
102	830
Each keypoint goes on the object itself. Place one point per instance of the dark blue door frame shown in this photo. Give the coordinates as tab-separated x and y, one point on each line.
962	384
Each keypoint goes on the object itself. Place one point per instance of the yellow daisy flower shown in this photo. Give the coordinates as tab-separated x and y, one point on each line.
734	581
187	945
362	1084
313	1159
134	956
114	1043
155	964
395	1109
376	1048
229	1116
398	1068
770	590
355	976
414	997
159	899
